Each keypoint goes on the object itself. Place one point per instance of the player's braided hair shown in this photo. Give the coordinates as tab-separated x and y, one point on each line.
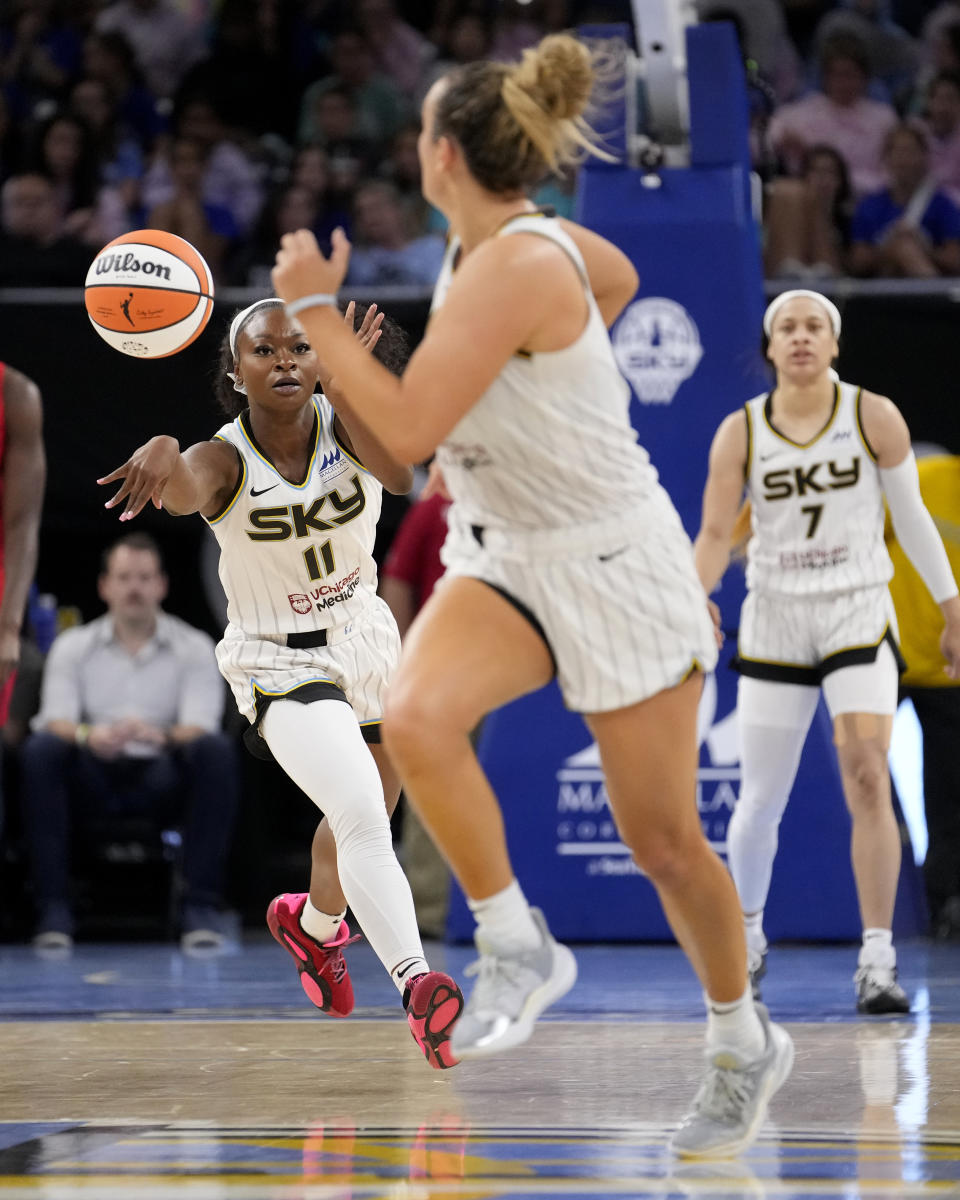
392	350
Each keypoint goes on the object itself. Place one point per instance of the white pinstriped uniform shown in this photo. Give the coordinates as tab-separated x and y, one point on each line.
295	558
576	526
817	567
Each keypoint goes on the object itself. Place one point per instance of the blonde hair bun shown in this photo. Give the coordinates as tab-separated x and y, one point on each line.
557	75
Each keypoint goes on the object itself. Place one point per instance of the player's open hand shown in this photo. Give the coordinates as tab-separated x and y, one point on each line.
301	270
369	332
144	475
367	335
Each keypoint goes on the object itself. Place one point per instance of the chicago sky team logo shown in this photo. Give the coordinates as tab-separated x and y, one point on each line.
300	603
657	346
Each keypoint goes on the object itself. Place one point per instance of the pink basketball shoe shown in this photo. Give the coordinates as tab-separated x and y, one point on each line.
323	969
433	1003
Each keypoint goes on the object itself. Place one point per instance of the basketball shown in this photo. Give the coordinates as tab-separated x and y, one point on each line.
148	293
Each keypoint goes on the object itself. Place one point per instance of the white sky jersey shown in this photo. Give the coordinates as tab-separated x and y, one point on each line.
549	445
295	557
817	507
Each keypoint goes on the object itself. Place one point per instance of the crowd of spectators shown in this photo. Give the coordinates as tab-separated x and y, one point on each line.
855	132
232	121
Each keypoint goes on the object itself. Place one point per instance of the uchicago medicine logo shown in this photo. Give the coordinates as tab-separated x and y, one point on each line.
657	346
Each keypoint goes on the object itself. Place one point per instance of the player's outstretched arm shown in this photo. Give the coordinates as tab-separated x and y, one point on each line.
201	479
721	499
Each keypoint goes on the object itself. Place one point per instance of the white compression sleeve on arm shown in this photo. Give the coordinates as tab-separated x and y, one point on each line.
915	530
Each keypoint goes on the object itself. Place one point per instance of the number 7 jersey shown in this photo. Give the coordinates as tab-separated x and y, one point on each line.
817	518
297	557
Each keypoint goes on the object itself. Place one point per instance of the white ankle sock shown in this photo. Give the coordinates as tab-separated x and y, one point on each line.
321	926
504	919
735	1026
407	969
877	949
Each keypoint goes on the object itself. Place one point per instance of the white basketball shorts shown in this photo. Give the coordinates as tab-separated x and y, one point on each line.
624	619
831	641
358	662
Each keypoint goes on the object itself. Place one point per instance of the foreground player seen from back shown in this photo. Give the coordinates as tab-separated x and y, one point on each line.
292	490
817	458
515	387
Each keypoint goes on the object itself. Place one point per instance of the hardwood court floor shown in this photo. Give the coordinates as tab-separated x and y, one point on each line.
131	1071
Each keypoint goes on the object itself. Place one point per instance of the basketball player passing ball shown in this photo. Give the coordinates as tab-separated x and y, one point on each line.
292	489
565	559
817	457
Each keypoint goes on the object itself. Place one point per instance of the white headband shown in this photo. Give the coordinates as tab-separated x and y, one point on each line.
779	301
235	324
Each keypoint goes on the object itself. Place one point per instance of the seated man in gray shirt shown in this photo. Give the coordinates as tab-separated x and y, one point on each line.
129	723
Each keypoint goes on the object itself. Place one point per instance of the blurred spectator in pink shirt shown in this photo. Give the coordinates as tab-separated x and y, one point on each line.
840	115
942	125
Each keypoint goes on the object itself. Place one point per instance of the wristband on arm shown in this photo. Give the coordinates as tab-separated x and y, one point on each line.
296	306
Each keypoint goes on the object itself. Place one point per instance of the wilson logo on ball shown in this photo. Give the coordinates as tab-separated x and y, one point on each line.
129	262
153	283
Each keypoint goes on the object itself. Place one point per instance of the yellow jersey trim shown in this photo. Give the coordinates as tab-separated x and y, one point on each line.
887	632
860	429
255	687
248	438
748	465
776	662
817	436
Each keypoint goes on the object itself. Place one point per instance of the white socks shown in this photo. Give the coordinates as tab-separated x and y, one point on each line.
735	1027
504	920
321	926
408	969
877	949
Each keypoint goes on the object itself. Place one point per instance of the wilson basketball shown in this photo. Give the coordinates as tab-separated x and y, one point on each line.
148	293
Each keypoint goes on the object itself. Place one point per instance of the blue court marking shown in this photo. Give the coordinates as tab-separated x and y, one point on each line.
629	982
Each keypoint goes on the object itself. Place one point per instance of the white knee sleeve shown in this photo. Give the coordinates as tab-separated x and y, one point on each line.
774	719
320	747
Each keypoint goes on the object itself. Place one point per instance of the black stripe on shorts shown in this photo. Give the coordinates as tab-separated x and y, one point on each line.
525	613
855	656
306	693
